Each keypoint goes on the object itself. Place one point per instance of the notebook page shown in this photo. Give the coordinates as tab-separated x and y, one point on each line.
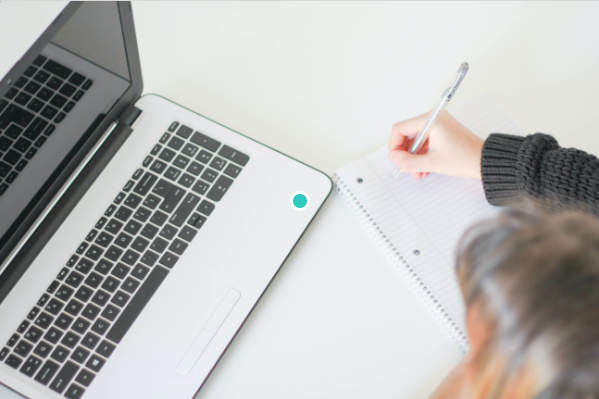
421	221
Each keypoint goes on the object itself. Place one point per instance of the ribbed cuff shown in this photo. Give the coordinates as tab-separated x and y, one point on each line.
498	168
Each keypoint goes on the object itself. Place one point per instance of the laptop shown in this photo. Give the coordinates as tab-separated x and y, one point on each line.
136	236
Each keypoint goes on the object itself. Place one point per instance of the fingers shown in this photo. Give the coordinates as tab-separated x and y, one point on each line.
410	163
401	130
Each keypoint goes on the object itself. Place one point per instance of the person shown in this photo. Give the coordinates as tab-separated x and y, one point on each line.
529	278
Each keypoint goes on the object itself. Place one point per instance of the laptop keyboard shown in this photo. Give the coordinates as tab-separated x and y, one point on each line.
69	335
38	100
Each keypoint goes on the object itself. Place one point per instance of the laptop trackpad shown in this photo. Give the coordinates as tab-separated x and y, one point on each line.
202	340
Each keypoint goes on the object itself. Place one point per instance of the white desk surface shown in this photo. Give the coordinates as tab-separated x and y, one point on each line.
324	82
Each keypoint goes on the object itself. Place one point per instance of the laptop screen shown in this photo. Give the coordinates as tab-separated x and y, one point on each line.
56	102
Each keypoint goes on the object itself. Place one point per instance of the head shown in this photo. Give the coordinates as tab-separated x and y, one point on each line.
531	286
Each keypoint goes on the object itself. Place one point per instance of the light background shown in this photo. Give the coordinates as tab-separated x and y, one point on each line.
324	82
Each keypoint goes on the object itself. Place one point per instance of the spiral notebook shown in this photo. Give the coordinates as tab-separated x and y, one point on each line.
418	223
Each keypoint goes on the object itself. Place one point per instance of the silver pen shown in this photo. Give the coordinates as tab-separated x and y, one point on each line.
447	95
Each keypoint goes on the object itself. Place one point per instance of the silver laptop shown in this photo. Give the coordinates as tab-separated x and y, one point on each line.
136	236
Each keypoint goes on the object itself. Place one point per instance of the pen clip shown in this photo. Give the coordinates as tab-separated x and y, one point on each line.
460	76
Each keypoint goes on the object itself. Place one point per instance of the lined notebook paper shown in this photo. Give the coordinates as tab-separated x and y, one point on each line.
418	223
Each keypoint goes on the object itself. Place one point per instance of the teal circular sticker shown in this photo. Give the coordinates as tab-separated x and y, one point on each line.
300	201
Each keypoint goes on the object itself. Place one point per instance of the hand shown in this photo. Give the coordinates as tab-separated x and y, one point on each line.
451	148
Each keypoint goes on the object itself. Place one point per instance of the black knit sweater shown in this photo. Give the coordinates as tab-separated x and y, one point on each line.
536	167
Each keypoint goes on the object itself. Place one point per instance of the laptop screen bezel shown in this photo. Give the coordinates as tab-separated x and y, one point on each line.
11	267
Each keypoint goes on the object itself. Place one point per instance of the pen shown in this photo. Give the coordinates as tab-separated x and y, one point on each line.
447	95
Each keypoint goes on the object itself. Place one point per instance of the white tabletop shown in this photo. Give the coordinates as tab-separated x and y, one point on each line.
324	82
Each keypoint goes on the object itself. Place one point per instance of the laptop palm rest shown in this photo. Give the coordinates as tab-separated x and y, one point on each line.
202	340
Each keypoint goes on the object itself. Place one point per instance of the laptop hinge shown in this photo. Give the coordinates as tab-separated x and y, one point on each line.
130	115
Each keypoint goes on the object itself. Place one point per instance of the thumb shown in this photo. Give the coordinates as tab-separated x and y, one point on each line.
411	163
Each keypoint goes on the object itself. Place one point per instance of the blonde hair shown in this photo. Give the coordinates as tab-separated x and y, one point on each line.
536	278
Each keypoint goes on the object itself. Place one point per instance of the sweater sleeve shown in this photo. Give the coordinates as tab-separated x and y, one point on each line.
536	167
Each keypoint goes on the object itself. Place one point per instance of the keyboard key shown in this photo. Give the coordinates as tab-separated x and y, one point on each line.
32	87
58	101
110	210
218	163
167	155
93	280
178	247
45	94
22	99
13	340
70	339
184	210
23	348
104	239
181	161
41	302
13	131
120	298
88	83
84	293
57	69
149	231
44	320
13	361
84	266
164	138
76	79
176	143
158	167
100	326
147	161
35	129
60	354
31	153
168	232
142	214
111	284
149	258
183	131
190	150
81	248
173	127
21	165
123	240
63	321
151	201
204	156
137	174
105	349
80	326
186	180
95	363
123	214
11	177
68	90
75	279
130	285
10	94
43	349
60	117
145	184
195	168
110	312
162	188
64	376
85	377
49	112
46	372
136	305
119	198
128	186
80	355
33	334
74	392
113	253
140	272
233	155
35	105
206	208
64	293
156	150
53	335
159	245
62	274
114	226
232	170
92	234
187	233
140	244
91	311
78	95
101	298
205	141
130	257
159	218
120	271
90	340
209	175
219	188
54	306
3	353
172	173
23	326
172	199
104	266
29	72
200	221
74	307
168	260
30	366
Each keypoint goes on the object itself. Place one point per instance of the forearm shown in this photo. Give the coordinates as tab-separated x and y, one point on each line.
535	167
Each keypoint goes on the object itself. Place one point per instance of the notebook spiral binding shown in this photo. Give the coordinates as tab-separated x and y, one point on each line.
402	264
